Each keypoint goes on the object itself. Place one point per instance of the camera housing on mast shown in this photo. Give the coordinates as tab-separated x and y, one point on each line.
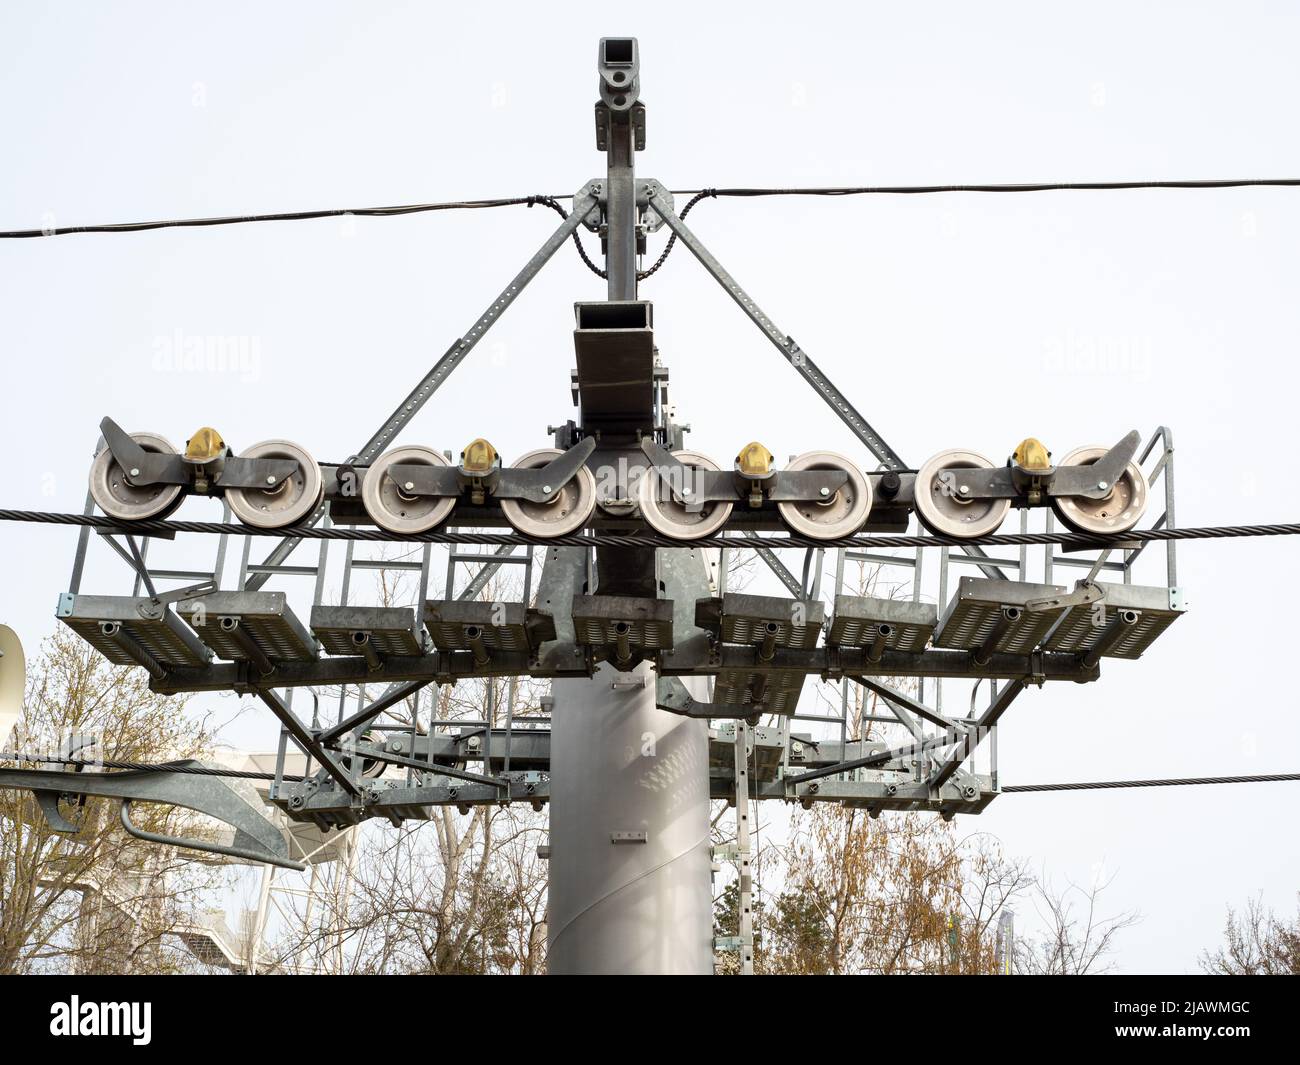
618	61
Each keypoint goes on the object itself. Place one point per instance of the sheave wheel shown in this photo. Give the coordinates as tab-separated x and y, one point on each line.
390	506
679	521
290	501
939	499
567	511
118	499
1118	512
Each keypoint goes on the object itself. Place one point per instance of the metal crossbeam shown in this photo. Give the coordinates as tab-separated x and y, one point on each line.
881	757
895	700
564	661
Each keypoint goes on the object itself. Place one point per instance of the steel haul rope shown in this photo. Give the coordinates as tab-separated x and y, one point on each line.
1078	541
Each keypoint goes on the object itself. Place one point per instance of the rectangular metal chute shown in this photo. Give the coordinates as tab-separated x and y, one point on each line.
858	621
1157	608
391	629
263	617
458	624
151	625
979	610
767	622
762	619
597	620
777	691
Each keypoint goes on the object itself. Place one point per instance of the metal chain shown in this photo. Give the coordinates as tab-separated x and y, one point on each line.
663	257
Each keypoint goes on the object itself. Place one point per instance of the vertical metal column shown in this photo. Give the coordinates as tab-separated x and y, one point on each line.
630	866
744	857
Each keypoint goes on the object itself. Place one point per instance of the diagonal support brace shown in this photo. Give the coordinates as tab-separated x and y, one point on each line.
660	202
308	742
967	744
583	202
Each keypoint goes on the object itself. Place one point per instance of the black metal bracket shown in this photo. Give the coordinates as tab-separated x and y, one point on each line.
142	468
1086	482
671	695
692	487
507	482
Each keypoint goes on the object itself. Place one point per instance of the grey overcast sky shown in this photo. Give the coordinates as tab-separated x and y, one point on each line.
961	320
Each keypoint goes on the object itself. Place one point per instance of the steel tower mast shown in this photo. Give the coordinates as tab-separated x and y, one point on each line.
630	864
642	650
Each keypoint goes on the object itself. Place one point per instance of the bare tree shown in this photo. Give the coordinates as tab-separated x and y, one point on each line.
894	895
1256	943
464	893
97	901
901	893
1079	941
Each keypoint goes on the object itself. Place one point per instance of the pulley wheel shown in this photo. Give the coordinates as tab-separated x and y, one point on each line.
567	511
939	500
290	501
390	506
1118	512
842	513
118	499
679	521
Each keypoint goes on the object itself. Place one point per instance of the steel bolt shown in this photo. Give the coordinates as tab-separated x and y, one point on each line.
409	486
270	480
1103	485
546	488
135	472
964	489
824	491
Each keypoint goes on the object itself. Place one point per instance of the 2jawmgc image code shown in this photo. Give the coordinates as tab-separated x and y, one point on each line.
1244	1013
